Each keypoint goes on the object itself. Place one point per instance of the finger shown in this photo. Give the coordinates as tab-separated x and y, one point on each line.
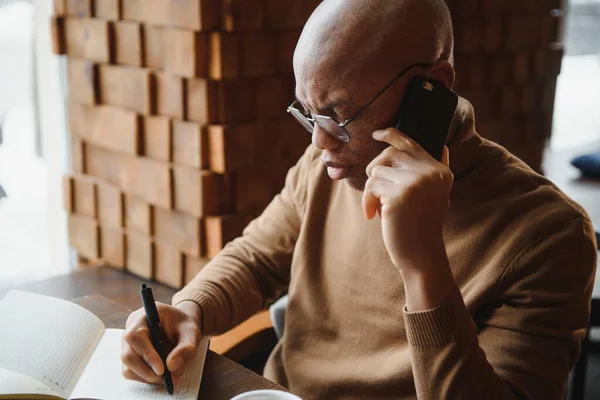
446	157
374	190
136	368
139	341
388	173
392	157
132	376
185	349
400	141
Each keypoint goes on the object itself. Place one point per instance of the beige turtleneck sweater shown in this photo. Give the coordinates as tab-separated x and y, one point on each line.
522	253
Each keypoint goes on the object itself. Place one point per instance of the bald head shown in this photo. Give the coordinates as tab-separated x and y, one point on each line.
350	38
349	51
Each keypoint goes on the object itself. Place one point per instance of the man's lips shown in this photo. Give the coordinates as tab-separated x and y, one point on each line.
336	171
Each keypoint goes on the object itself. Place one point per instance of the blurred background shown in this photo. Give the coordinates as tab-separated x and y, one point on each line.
36	146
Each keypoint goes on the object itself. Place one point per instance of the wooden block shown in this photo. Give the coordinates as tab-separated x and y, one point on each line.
548	94
221	230
466	8
84	236
127	87
154	12
510	101
189	144
79	118
150	180
259	54
169	265
286	43
242	15
129	43
225	51
269	156
197	15
140	255
113	247
252	191
68	186
117	129
79	8
60	7
153	49
85	196
109	127
192	266
547	63
294	139
469	37
478	71
185	52
520	33
157	137
78	156
522	63
226	197
111	206
180	230
106	165
287	14
138	215
82	78
236	101
202	98
196	192
500	73
273	96
109	9
170	95
57	34
528	99
493	35
90	39
231	147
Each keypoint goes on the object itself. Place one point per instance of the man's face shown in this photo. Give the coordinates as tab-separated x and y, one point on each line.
342	100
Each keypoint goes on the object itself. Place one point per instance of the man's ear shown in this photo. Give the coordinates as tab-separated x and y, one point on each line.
443	72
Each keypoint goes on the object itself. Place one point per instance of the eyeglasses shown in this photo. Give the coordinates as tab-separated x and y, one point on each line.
332	127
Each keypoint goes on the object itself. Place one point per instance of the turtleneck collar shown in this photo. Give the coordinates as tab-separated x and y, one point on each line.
465	143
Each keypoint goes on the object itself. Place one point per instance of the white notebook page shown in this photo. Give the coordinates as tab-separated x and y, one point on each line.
48	339
14	383
103	377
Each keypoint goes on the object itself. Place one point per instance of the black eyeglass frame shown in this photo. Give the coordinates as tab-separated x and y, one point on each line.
328	123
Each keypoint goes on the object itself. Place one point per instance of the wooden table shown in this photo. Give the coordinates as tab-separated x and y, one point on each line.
112	295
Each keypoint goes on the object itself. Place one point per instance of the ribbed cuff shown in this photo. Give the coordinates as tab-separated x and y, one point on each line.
205	303
448	323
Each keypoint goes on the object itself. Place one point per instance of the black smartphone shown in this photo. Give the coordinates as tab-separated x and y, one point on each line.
427	113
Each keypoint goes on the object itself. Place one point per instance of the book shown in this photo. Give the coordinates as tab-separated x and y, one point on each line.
55	349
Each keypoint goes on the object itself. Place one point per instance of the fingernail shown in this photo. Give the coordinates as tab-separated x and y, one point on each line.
156	369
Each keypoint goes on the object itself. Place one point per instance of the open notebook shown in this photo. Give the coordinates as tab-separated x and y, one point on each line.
54	349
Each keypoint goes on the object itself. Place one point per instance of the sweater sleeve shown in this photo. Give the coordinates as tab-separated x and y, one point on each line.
255	268
528	338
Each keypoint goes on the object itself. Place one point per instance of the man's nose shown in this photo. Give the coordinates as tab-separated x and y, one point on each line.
322	140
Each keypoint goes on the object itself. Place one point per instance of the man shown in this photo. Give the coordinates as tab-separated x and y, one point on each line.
470	278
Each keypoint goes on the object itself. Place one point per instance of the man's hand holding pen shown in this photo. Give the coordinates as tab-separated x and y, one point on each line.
181	328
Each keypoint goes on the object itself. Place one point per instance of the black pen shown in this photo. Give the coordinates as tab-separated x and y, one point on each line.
156	335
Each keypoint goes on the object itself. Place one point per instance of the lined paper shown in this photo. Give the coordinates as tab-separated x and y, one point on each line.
48	339
102	377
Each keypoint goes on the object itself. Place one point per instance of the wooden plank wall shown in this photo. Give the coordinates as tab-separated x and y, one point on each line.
172	103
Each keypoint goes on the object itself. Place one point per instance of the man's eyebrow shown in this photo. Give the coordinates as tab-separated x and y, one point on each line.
327	109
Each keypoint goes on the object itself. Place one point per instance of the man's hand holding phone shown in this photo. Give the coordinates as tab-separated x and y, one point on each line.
411	191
